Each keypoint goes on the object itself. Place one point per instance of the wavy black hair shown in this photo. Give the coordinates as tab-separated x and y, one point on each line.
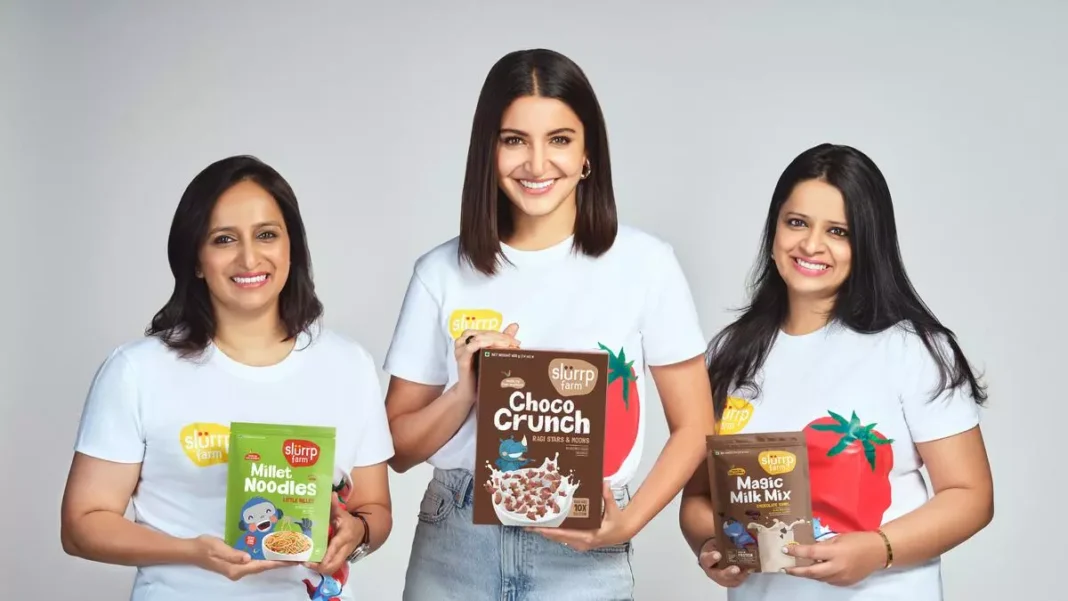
876	295
186	323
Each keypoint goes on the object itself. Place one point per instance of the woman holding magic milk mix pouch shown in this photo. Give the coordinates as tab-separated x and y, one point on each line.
541	263
837	347
238	344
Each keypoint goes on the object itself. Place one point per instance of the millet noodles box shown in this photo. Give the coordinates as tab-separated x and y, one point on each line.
539	455
279	490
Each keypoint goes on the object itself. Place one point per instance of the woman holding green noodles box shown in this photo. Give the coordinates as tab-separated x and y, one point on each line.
238	342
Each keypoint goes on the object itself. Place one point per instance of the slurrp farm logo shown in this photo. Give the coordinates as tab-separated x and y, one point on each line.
462	320
736	415
206	444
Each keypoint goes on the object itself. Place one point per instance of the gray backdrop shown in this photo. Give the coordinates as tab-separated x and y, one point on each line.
110	108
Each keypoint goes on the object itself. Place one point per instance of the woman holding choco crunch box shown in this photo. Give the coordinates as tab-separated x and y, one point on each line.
837	345
238	341
540	258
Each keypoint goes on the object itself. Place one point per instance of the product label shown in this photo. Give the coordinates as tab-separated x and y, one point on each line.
540	447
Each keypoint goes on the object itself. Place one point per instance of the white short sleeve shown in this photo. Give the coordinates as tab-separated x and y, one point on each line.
419	347
374	443
110	427
671	330
951	412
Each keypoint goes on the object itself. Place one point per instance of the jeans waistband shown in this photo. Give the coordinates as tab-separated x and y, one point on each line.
459	481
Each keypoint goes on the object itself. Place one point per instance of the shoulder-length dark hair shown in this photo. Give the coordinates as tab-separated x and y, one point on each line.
187	322
486	213
875	296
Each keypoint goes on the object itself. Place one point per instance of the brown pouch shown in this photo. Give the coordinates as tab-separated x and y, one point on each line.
762	499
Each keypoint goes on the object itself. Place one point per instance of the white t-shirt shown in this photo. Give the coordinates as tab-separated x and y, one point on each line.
172	415
634	300
835	375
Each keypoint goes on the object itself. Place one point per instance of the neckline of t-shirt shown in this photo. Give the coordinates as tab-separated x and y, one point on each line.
812	337
525	257
261	373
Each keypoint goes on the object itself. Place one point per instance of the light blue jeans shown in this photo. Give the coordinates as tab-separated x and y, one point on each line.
452	559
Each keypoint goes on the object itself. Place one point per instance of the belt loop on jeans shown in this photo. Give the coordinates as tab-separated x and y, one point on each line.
464	489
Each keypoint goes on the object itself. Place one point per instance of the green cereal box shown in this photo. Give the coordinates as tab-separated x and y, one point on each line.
279	490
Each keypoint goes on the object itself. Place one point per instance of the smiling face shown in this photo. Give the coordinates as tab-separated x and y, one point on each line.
260	517
811	247
540	156
510	449
245	257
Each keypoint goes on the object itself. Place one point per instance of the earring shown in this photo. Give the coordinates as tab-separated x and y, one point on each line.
586	169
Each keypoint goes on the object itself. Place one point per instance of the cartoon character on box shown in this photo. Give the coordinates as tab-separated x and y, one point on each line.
328	587
510	454
737	533
258	518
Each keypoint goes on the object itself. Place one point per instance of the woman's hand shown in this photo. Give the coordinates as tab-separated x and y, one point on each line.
348	532
422	418
843	560
728	577
613	531
471	342
214	555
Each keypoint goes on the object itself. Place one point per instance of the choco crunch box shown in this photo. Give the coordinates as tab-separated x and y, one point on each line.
279	490
539	455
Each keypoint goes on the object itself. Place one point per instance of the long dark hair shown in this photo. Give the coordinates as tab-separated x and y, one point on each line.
875	296
485	212
187	322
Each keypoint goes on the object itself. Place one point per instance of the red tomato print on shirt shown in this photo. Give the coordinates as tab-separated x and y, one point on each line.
849	465
622	411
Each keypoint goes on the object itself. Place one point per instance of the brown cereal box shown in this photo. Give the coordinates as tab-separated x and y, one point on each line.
539	456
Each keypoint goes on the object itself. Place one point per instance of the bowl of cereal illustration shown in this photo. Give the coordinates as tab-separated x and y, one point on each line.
287	545
532	496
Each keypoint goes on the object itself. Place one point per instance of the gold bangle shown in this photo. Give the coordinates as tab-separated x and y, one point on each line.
889	549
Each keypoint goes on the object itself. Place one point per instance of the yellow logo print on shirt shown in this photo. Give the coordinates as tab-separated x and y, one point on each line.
206	444
736	414
473	319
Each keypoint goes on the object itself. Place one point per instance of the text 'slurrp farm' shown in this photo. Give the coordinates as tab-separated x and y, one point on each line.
540	448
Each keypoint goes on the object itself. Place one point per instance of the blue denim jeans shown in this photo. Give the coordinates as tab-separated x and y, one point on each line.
454	559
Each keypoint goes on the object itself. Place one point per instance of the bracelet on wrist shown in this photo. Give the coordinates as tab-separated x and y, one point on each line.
889	549
364	548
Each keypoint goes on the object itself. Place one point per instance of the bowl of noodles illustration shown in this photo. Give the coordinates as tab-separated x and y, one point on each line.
287	545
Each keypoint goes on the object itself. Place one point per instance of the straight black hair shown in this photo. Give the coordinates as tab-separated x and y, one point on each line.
187	322
875	296
485	212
